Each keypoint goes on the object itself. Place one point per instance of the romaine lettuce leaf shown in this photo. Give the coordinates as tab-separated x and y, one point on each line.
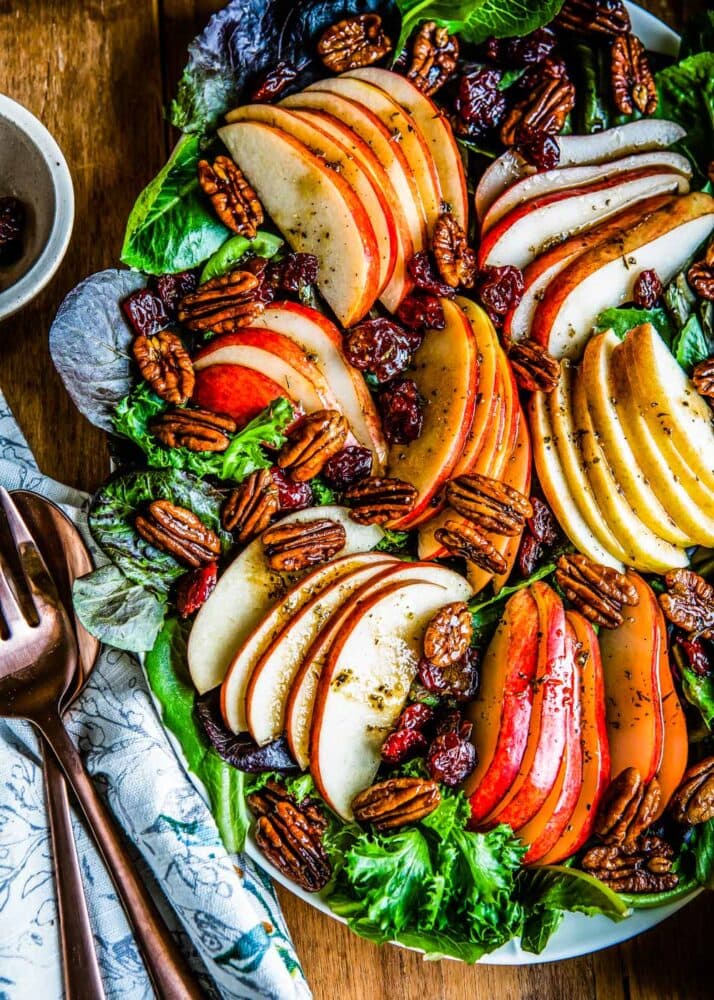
231	253
686	96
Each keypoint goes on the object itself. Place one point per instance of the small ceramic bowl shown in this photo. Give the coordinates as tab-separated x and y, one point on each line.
33	169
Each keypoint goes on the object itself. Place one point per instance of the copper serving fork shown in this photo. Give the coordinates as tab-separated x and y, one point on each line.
38	659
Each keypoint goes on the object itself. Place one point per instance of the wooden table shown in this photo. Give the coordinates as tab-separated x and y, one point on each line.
97	73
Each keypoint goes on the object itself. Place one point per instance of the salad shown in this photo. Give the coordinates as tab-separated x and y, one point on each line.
408	376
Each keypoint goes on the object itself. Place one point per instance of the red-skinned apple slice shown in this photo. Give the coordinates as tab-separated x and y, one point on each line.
578	150
675	740
320	339
524	232
238	392
633	699
245	593
604	276
502	708
315	209
436	129
339	158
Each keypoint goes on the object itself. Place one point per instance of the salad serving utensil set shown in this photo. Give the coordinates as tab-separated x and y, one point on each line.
45	660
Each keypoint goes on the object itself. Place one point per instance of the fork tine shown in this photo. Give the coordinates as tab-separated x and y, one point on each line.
9	607
37	576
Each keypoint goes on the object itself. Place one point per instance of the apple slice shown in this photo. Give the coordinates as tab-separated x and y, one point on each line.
605	275
633	698
445	369
536	185
367	677
320	339
556	486
520	235
339	158
247	590
238	392
403	130
501	711
594	744
277	646
578	150
675	740
610	434
436	129
315	209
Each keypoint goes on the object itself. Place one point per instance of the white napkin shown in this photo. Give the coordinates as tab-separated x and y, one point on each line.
222	907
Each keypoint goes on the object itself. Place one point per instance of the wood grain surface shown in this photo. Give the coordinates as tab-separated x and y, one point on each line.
98	73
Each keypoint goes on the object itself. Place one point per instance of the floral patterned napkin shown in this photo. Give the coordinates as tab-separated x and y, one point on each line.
222	907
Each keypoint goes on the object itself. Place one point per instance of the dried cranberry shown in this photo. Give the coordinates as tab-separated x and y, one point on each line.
479	104
432	677
401	407
526	50
12	224
171	288
293	273
529	554
550	68
194	589
538	148
647	289
145	312
258	266
422	270
449	722
272	82
378	346
697	654
500	289
347	467
415	716
291	495
450	759
421	311
542	524
403	744
459	680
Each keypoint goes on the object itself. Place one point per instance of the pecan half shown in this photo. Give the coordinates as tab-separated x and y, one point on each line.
299	544
251	507
448	635
647	868
544	110
197	430
396	802
701	276
598	592
604	17
235	202
179	532
464	539
356	41
273	792
318	437
435	55
376	499
693	802
535	370
689	602
633	85
222	304
165	364
703	377
627	808
454	257
489	503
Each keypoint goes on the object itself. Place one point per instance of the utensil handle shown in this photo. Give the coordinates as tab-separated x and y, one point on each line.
80	967
165	964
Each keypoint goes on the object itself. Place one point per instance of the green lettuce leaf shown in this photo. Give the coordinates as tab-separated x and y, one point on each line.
394	542
694	344
232	252
699	692
686	96
538	928
621	321
487	613
703	848
172	227
117	611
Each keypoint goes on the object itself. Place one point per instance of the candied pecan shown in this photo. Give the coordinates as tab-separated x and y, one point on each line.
296	545
598	592
701	276
356	41
703	378
376	499
627	808
604	17
165	364
464	539
454	257
693	802
435	54
179	532
290	838
647	289
535	370
250	507
264	801
633	871
197	430
633	85
543	111
490	504
317	437
396	802
448	634
223	304
234	201
480	103
402	411
689	602
348	466
144	312
272	82
194	589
